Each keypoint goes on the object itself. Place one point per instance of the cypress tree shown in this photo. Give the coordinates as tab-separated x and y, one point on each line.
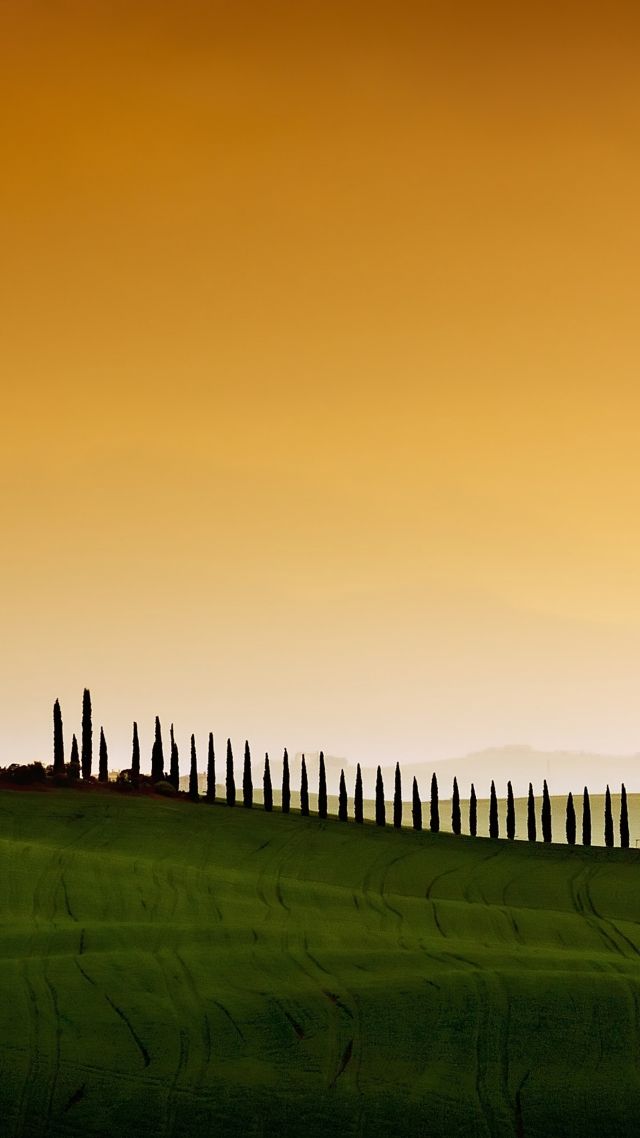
608	819
247	780
586	818
194	793
266	786
358	804
58	742
135	758
286	783
511	813
494	825
397	799
322	789
231	782
531	816
87	734
546	813
571	821
434	819
304	790
473	812
381	815
624	819
343	814
74	761
456	819
174	769
157	755
103	759
416	810
211	771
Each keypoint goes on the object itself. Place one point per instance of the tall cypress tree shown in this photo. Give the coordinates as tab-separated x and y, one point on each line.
211	771
194	793
532	832
135	758
58	742
231	781
586	818
494	825
342	800
473	812
286	783
624	819
397	799
608	819
304	790
434	812
322	789
174	768
546	813
74	761
511	813
87	734
358	803
571	821
157	755
456	818
247	779
416	809
381	814
103	759
267	788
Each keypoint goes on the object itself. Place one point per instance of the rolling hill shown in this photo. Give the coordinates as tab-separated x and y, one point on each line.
173	969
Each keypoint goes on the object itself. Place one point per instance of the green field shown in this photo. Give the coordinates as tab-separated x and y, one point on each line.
171	969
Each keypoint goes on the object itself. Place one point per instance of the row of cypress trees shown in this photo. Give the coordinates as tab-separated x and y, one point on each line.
83	763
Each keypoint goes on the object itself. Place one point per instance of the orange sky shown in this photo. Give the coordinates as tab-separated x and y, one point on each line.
320	372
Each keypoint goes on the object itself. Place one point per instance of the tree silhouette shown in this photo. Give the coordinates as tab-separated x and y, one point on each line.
74	761
211	771
545	816
231	781
473	812
358	805
135	758
304	790
247	779
434	812
456	819
531	816
58	742
103	759
194	793
174	768
494	825
381	815
87	734
286	784
586	818
416	809
571	821
267	788
322	789
624	819
157	755
608	819
343	814
511	813
397	799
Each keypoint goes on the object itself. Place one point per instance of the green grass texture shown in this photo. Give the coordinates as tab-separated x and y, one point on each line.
192	970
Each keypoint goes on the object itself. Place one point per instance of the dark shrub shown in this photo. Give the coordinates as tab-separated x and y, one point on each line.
164	787
22	774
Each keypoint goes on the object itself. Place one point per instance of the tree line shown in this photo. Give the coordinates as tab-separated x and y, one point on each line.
81	765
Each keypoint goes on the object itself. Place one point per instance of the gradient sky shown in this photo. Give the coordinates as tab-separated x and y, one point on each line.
320	357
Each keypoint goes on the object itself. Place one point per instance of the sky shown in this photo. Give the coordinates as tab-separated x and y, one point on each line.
320	374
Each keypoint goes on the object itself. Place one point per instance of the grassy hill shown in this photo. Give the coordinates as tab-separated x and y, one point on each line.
170	969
